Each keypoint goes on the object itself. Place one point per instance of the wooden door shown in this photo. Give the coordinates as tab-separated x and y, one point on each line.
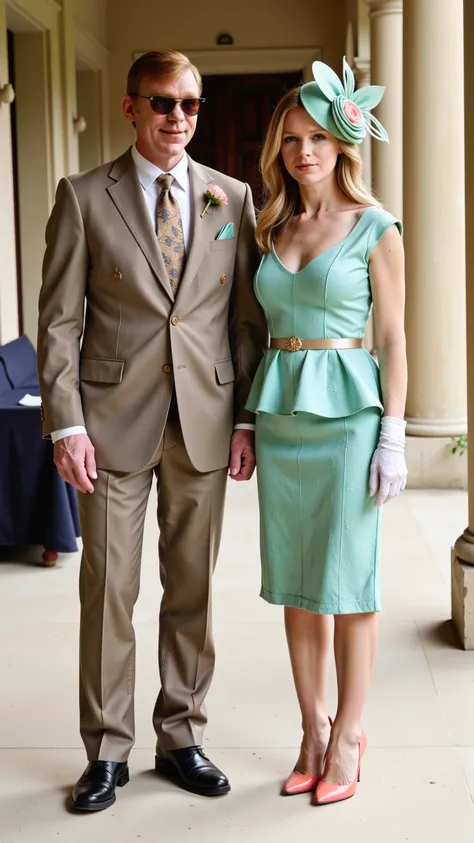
233	122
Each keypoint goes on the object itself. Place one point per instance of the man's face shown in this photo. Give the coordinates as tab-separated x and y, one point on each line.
162	137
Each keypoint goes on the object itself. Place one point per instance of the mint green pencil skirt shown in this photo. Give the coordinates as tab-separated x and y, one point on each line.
319	529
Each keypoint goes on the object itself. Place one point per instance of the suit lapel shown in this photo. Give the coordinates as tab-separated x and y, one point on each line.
201	228
127	195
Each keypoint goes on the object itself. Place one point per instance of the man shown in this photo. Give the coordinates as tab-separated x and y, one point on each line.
171	339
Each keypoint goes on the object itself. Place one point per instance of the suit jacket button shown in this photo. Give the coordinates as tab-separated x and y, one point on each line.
117	274
223	279
174	320
167	368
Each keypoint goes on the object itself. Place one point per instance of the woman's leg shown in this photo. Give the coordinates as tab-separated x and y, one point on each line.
309	637
355	644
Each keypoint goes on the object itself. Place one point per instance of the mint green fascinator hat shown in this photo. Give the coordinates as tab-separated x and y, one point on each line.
338	108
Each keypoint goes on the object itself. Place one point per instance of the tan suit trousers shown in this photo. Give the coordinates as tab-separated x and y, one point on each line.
190	513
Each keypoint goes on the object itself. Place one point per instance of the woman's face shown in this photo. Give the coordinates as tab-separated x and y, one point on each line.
309	152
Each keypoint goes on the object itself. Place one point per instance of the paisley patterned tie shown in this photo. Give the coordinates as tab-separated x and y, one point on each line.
170	232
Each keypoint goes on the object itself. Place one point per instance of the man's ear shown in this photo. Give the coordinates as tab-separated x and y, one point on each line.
128	107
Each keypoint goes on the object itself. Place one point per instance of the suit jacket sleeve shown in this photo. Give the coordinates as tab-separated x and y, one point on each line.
61	312
247	323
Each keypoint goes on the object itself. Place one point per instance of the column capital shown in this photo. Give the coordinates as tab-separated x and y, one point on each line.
378	8
361	67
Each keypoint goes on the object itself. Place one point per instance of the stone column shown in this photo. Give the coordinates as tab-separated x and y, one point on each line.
350	47
361	68
386	47
8	277
462	556
434	235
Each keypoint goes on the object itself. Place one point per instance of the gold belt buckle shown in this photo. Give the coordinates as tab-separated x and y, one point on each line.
294	344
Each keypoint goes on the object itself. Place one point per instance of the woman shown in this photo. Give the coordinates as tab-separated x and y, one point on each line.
324	449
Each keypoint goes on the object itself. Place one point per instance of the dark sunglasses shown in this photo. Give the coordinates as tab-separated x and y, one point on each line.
165	105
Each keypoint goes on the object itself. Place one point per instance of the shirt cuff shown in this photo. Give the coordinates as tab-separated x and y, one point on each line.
67	431
244	427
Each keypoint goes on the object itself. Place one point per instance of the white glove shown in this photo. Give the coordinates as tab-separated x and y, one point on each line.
388	469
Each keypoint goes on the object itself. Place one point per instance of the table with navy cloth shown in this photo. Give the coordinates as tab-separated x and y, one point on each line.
37	507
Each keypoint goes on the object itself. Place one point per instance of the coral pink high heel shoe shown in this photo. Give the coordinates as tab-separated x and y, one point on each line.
328	792
300	782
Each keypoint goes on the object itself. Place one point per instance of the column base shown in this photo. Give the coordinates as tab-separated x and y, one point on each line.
462	600
431	465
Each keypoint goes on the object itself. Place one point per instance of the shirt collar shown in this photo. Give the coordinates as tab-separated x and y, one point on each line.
148	172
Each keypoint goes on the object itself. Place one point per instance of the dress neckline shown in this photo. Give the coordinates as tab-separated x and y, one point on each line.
325	251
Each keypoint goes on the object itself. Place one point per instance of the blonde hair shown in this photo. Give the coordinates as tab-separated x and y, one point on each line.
156	64
282	192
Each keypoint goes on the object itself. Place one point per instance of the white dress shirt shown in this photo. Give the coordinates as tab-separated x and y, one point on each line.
181	190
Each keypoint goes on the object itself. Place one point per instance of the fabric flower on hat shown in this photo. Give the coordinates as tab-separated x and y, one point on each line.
352	112
338	108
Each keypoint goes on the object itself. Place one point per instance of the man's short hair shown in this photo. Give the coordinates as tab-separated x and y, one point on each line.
160	63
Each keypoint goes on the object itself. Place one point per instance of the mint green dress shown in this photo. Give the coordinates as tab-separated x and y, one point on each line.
318	422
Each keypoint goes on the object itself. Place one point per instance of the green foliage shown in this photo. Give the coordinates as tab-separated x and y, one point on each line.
459	445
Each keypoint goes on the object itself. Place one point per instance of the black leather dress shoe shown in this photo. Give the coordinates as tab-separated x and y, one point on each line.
193	771
95	790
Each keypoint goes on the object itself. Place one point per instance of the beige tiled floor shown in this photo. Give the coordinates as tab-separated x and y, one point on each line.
418	774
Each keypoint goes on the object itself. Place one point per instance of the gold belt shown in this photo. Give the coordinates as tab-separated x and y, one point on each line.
297	344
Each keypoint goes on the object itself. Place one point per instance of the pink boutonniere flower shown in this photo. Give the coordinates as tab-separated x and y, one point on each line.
214	196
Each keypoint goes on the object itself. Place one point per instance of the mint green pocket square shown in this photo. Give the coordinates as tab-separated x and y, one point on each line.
226	232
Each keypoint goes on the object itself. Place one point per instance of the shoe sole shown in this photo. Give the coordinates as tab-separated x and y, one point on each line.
102	806
333	802
164	768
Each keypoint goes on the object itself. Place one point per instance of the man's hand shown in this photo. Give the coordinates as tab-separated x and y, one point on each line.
74	457
242	455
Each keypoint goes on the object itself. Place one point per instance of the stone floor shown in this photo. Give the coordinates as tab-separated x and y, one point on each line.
418	773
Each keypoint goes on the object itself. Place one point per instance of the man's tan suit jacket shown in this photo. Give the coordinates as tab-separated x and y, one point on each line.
113	341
